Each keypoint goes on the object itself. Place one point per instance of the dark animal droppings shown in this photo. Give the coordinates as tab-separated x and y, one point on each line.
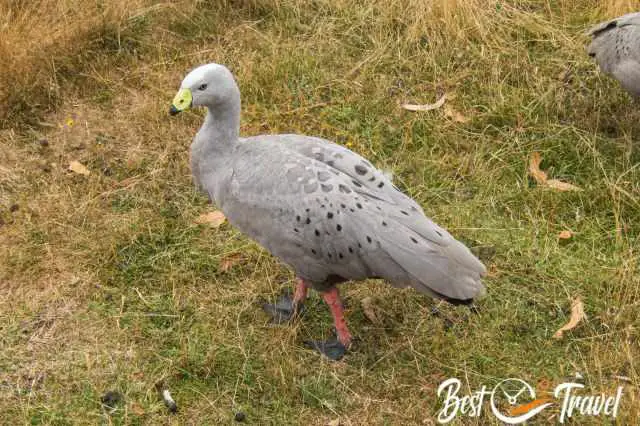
329	254
317	233
350	250
372	178
358	205
313	251
414	240
343	206
111	399
381	184
369	239
329	215
340	255
339	227
296	229
298	218
384	223
360	170
308	221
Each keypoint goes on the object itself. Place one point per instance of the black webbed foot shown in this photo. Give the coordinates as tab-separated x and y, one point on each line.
284	310
332	348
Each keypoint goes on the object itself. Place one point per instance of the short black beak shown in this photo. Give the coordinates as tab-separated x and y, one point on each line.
173	110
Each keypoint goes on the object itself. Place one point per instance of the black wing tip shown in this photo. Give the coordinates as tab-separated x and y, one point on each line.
458	302
453	300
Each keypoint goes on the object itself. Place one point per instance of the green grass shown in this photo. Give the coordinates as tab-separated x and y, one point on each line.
107	283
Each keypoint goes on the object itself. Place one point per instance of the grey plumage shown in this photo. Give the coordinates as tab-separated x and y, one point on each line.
322	209
616	48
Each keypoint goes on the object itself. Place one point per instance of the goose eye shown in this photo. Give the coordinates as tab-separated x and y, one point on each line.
202	87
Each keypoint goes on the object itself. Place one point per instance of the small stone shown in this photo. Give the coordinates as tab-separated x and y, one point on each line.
240	416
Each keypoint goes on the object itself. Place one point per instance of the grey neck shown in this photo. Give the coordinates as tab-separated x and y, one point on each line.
221	127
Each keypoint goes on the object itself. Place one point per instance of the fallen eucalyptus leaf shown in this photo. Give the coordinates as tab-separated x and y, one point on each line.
79	168
214	218
577	315
426	107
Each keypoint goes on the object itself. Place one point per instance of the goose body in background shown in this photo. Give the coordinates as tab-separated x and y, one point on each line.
616	48
323	210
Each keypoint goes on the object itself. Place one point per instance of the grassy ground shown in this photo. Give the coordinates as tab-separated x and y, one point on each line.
108	284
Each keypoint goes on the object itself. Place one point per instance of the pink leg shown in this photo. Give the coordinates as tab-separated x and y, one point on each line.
332	298
300	294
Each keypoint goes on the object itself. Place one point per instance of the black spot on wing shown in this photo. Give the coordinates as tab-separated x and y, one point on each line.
323	176
344	189
361	170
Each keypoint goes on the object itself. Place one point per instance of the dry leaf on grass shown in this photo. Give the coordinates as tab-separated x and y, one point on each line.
369	310
456	116
137	409
426	107
534	169
79	168
214	219
562	186
541	177
230	261
577	315
565	235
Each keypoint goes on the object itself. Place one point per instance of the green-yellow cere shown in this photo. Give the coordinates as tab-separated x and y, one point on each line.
182	100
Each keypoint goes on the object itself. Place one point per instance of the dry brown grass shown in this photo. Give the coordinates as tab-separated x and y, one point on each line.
106	282
47	42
